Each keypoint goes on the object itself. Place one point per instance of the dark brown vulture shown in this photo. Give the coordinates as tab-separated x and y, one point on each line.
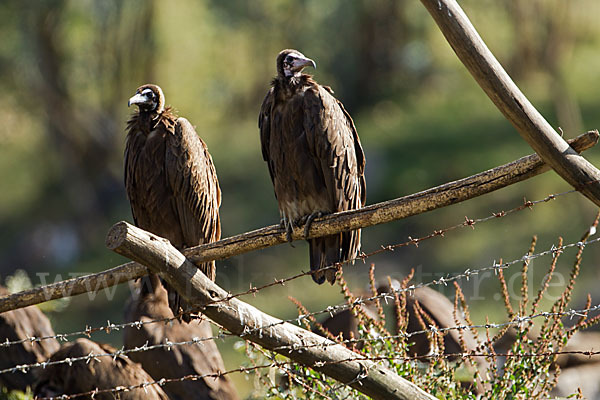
150	303
441	311
346	323
101	373
314	156
170	179
433	303
22	324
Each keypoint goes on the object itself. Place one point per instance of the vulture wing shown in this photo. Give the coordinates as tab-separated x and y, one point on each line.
196	197
333	140
148	195
334	143
264	124
133	149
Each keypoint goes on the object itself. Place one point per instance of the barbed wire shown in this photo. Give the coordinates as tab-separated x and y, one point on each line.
161	382
443	280
332	310
108	328
388	295
293	373
517	321
120	352
319	364
527	204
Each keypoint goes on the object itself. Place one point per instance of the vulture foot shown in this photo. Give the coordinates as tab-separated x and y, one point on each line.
309	219
288	232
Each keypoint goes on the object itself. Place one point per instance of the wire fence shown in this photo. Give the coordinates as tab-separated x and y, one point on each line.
280	364
331	310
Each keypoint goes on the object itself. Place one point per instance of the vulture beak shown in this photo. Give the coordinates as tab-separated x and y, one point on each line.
138	98
301	62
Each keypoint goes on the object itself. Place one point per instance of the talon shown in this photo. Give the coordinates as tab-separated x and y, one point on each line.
309	219
288	235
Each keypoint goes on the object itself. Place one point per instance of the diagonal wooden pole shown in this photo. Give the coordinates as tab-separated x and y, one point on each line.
439	196
495	82
252	324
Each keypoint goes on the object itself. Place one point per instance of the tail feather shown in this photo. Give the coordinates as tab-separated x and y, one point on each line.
329	250
324	252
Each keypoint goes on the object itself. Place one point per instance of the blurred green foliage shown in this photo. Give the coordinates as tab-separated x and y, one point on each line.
68	67
14	395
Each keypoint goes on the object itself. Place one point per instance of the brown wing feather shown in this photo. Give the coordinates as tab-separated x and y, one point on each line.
133	148
337	147
172	185
145	179
333	138
264	125
192	177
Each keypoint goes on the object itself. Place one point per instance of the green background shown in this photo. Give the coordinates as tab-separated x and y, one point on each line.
67	69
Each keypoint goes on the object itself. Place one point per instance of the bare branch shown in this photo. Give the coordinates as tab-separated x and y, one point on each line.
493	79
252	324
440	196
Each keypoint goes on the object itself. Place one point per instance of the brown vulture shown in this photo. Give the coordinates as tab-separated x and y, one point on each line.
22	324
315	158
170	179
149	303
437	307
431	302
99	373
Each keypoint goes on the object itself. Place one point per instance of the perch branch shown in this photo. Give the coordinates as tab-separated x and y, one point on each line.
252	324
440	196
493	79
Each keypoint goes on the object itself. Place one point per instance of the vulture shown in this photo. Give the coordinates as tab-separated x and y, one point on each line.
433	303
170	179
99	373
314	157
148	303
441	311
22	324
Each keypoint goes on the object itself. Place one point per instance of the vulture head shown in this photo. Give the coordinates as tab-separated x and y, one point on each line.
290	63
148	98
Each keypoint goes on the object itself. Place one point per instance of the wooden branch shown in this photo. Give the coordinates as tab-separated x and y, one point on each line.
489	74
252	324
440	196
74	286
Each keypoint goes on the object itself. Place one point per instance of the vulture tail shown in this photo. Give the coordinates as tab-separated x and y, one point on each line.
176	303
324	252
328	250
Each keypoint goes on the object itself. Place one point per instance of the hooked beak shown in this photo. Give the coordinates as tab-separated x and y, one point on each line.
301	62
138	98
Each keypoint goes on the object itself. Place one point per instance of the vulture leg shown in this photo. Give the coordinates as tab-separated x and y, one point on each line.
309	219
